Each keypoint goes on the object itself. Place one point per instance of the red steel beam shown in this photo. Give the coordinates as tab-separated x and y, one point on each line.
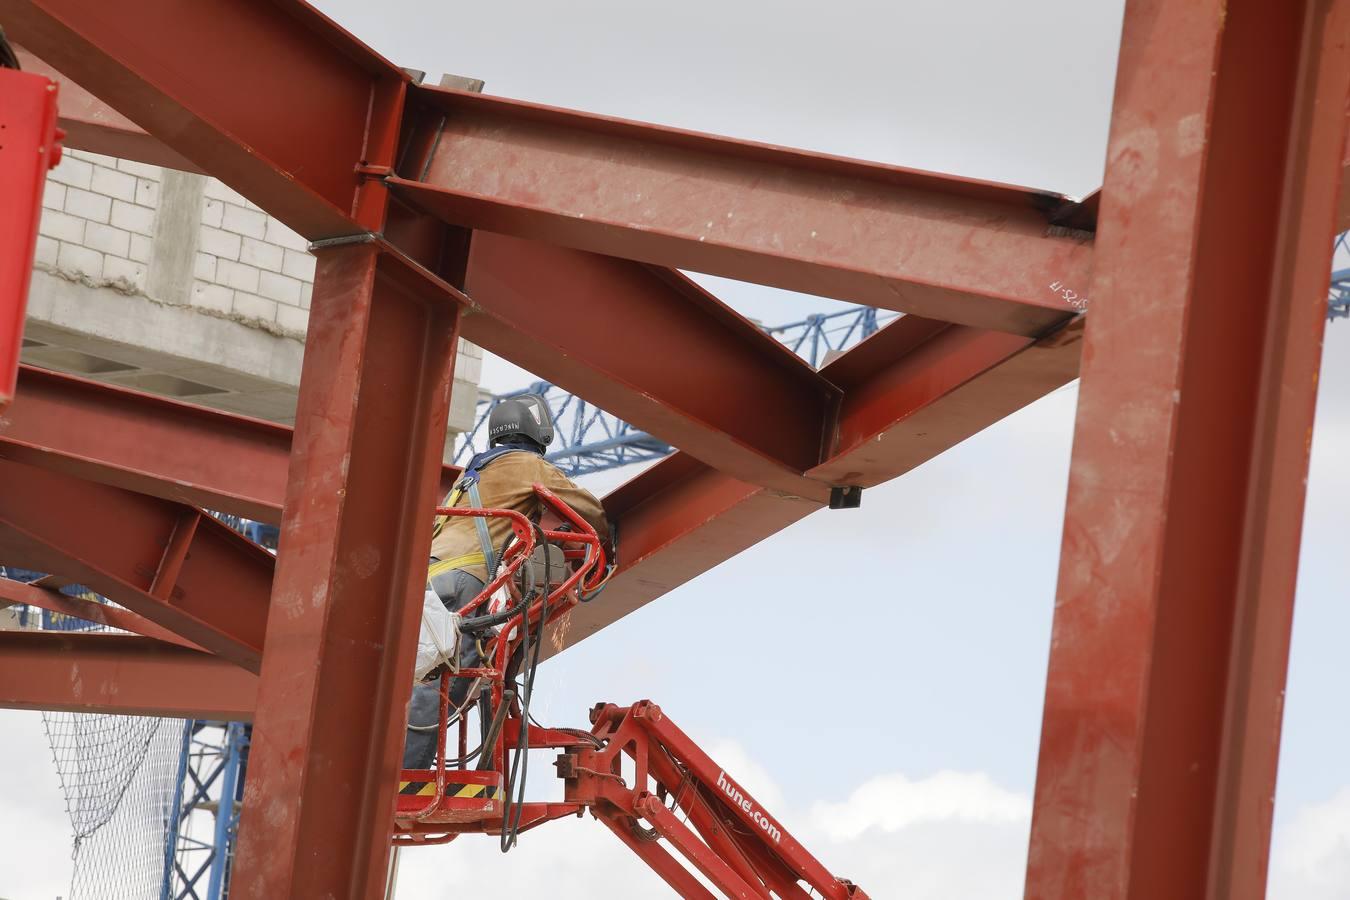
718	387
938	246
1172	621
90	124
652	307
122	674
151	444
12	592
147	443
168	562
341	635
287	130
918	387
294	132
1343	207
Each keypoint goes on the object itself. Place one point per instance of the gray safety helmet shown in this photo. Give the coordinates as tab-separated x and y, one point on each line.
525	416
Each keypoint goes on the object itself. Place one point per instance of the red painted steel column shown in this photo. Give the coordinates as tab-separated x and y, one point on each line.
365	469
1171	631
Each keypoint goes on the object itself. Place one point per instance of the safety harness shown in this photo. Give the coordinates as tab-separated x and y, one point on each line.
468	484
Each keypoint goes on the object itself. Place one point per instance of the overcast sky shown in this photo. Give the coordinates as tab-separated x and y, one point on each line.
912	770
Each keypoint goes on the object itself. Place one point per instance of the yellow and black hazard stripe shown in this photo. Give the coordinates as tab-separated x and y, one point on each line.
466	791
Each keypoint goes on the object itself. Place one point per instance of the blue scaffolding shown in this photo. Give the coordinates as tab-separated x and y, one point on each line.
205	817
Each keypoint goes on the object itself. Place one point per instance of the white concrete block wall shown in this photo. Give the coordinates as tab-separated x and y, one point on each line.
251	265
100	228
97	220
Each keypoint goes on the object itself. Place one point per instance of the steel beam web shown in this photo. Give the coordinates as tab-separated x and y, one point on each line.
1170	643
593	440
370	430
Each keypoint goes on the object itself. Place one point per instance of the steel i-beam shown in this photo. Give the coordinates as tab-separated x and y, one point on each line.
366	459
171	563
933	245
1172	621
120	674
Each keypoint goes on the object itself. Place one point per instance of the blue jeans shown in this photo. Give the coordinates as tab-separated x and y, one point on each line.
455	588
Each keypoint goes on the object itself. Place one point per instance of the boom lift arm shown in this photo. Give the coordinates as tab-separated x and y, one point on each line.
634	770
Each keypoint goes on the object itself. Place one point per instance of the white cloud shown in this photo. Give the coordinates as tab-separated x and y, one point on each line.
892	802
1310	855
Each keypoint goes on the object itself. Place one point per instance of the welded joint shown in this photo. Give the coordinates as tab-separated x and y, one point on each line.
175	554
1061	334
364	237
372	171
1067	231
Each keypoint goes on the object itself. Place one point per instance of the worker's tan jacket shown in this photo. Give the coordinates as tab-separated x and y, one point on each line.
508	483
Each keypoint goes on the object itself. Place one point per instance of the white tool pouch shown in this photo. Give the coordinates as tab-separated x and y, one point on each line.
438	639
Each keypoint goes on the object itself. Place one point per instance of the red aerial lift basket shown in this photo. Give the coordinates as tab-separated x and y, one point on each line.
447	795
633	766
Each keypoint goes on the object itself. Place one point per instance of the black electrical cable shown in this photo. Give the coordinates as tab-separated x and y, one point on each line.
527	594
577	732
520	762
523	748
611	564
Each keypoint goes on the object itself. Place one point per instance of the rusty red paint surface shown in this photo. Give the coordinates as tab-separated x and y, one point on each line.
90	124
341	634
938	246
287	130
1171	625
920	388
168	562
120	674
713	365
1210	449
89	610
150	444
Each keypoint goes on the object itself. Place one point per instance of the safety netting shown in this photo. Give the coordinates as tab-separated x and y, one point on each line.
119	776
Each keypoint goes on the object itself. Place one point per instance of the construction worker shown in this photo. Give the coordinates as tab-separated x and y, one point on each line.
464	550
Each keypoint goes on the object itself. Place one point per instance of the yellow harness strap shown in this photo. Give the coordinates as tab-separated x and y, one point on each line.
459	562
451	499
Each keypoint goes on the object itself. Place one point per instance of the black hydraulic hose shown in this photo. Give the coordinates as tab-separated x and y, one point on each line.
521	760
479	623
515	790
611	563
495	728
